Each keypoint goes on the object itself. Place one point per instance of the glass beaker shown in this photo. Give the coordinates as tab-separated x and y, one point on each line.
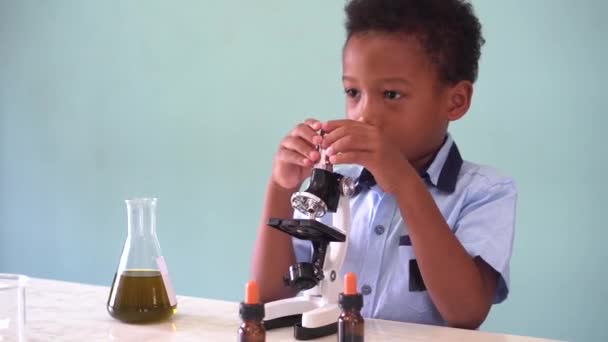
141	290
12	307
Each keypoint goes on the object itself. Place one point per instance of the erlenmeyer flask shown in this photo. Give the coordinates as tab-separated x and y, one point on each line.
141	290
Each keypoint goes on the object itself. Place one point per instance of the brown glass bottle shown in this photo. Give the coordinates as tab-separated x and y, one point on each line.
350	323
252	331
252	315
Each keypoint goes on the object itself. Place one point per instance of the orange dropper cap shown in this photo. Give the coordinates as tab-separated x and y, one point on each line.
251	308
252	293
349	299
350	284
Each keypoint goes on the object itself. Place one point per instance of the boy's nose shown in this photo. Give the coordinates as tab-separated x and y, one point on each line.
368	120
369	115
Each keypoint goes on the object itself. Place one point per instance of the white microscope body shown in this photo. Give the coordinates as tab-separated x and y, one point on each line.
315	312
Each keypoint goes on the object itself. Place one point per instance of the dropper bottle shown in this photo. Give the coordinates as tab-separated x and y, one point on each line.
252	316
350	323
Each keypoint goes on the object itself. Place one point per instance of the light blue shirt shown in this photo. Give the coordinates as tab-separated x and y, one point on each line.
477	202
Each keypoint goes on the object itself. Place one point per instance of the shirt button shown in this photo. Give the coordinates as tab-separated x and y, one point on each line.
366	289
379	229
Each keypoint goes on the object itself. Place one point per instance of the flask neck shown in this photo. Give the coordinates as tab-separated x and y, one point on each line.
141	216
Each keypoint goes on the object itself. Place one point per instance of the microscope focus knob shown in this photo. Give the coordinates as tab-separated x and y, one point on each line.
347	186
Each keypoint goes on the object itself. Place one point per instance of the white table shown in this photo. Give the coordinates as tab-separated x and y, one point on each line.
62	311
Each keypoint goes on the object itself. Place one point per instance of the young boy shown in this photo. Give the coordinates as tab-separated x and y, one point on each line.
431	234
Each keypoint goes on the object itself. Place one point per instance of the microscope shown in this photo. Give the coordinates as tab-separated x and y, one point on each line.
314	314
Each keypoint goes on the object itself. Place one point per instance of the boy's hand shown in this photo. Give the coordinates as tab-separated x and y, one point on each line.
354	142
297	155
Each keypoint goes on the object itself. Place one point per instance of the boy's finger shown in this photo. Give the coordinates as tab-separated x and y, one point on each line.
301	146
357	157
359	132
350	143
293	157
333	136
334	124
314	124
307	133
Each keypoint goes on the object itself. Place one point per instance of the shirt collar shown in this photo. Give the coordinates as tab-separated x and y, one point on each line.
443	171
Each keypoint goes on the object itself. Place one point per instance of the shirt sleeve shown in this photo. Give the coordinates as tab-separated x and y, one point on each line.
486	228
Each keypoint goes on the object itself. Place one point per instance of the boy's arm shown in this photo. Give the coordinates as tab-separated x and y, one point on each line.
461	287
273	250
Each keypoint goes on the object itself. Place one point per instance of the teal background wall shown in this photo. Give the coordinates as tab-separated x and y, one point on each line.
186	101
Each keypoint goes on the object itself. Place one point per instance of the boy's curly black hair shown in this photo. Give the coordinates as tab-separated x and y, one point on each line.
448	30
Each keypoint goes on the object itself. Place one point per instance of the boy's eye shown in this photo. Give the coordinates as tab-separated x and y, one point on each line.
350	92
392	95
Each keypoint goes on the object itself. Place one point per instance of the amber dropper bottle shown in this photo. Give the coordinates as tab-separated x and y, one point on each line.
350	323
252	316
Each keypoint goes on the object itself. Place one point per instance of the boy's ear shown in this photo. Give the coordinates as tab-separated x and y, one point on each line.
459	99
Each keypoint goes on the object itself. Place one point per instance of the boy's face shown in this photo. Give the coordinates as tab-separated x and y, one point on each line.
391	84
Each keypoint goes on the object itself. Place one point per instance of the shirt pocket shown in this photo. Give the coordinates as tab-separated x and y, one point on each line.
415	292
